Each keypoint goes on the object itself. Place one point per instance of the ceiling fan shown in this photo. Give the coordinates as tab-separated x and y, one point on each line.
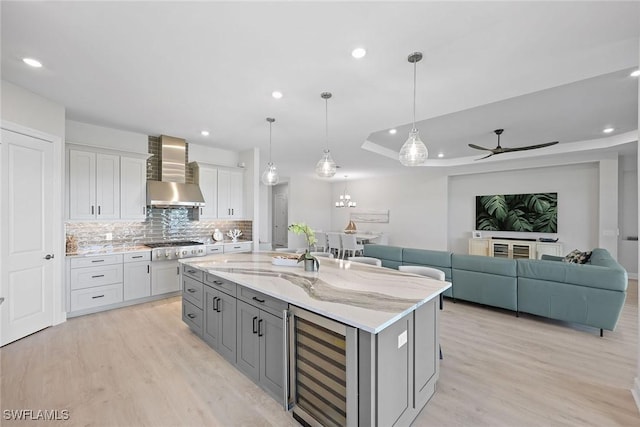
500	150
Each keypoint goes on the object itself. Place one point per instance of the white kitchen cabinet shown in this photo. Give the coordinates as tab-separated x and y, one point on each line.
523	249
230	194
165	277
207	178
94	185
137	275
133	188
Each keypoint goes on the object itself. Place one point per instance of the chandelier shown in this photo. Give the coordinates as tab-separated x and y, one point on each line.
344	200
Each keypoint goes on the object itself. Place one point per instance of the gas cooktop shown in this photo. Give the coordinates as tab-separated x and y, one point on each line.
172	244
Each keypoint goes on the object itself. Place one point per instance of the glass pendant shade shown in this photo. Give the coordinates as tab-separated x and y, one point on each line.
413	152
326	167
270	175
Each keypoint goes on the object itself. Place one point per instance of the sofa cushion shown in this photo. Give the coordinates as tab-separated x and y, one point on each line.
426	257
391	256
594	276
484	264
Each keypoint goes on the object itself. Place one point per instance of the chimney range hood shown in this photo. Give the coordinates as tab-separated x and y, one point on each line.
172	191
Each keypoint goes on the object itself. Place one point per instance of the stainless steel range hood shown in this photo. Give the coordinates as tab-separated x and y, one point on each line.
172	191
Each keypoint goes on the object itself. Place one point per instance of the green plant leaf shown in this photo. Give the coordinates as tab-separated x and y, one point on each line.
517	221
487	222
496	206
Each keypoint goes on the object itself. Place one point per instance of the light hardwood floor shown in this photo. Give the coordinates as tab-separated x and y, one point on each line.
140	366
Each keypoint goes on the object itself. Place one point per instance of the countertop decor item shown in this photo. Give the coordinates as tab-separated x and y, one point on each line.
311	263
350	228
217	235
234	234
414	152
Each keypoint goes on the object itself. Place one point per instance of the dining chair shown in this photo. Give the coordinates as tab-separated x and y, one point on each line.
366	260
433	273
350	244
335	243
322	254
321	241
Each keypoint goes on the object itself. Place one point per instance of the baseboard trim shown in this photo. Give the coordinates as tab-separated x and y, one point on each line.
635	391
633	276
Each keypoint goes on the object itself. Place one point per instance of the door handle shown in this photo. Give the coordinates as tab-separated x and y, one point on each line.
218	305
255	328
190	290
191	316
92	211
1	300
258	299
260	328
49	256
98	209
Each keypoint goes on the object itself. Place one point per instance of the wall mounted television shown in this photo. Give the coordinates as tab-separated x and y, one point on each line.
536	212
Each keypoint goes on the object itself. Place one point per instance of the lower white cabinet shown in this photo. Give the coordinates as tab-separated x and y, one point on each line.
165	277
237	247
83	299
137	280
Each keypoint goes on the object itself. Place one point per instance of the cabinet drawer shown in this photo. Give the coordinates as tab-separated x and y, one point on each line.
217	249
95	297
137	256
192	316
92	261
193	291
89	277
270	304
237	247
221	284
192	272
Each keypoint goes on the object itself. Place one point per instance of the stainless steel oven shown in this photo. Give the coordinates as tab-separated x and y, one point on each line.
321	369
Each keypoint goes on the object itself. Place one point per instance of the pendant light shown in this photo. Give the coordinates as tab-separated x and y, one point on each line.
270	174
326	167
413	152
344	201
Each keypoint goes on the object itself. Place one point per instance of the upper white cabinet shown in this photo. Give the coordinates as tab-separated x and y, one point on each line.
94	185
133	182
207	178
230	194
106	186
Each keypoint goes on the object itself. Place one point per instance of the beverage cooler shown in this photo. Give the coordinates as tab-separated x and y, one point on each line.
321	369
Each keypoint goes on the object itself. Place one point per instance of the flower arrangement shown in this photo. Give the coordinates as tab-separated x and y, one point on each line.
310	237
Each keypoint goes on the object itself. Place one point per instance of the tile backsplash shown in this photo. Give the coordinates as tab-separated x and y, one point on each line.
161	225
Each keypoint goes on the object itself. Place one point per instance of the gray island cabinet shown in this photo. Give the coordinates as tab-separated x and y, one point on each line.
349	345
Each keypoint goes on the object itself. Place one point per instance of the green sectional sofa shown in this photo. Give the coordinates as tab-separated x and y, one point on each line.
592	294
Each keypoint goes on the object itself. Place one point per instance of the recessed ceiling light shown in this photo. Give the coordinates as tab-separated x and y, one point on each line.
204	133
636	73
392	131
440	155
608	130
32	62
358	52
276	94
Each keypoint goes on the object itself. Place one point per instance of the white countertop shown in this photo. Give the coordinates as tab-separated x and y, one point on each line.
108	250
359	295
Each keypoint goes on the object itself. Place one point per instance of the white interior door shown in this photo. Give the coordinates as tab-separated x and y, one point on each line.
27	236
280	219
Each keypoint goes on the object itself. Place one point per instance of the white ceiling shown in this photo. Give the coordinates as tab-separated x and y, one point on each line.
543	71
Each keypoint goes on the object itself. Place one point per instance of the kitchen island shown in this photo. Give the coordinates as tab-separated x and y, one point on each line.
351	344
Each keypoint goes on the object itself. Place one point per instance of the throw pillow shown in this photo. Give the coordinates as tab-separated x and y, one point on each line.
577	257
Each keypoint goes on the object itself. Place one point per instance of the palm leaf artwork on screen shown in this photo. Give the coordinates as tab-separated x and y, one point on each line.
518	212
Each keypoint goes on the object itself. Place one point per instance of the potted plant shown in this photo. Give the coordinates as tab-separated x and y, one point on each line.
310	262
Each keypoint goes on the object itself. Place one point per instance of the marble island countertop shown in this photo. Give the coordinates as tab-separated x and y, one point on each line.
363	296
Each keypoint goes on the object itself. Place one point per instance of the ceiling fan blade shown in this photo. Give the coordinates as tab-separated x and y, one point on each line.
485	156
477	147
530	147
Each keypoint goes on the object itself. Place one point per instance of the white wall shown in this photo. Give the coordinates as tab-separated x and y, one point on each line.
98	136
416	201
636	384
628	214
577	202
33	111
309	202
212	155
